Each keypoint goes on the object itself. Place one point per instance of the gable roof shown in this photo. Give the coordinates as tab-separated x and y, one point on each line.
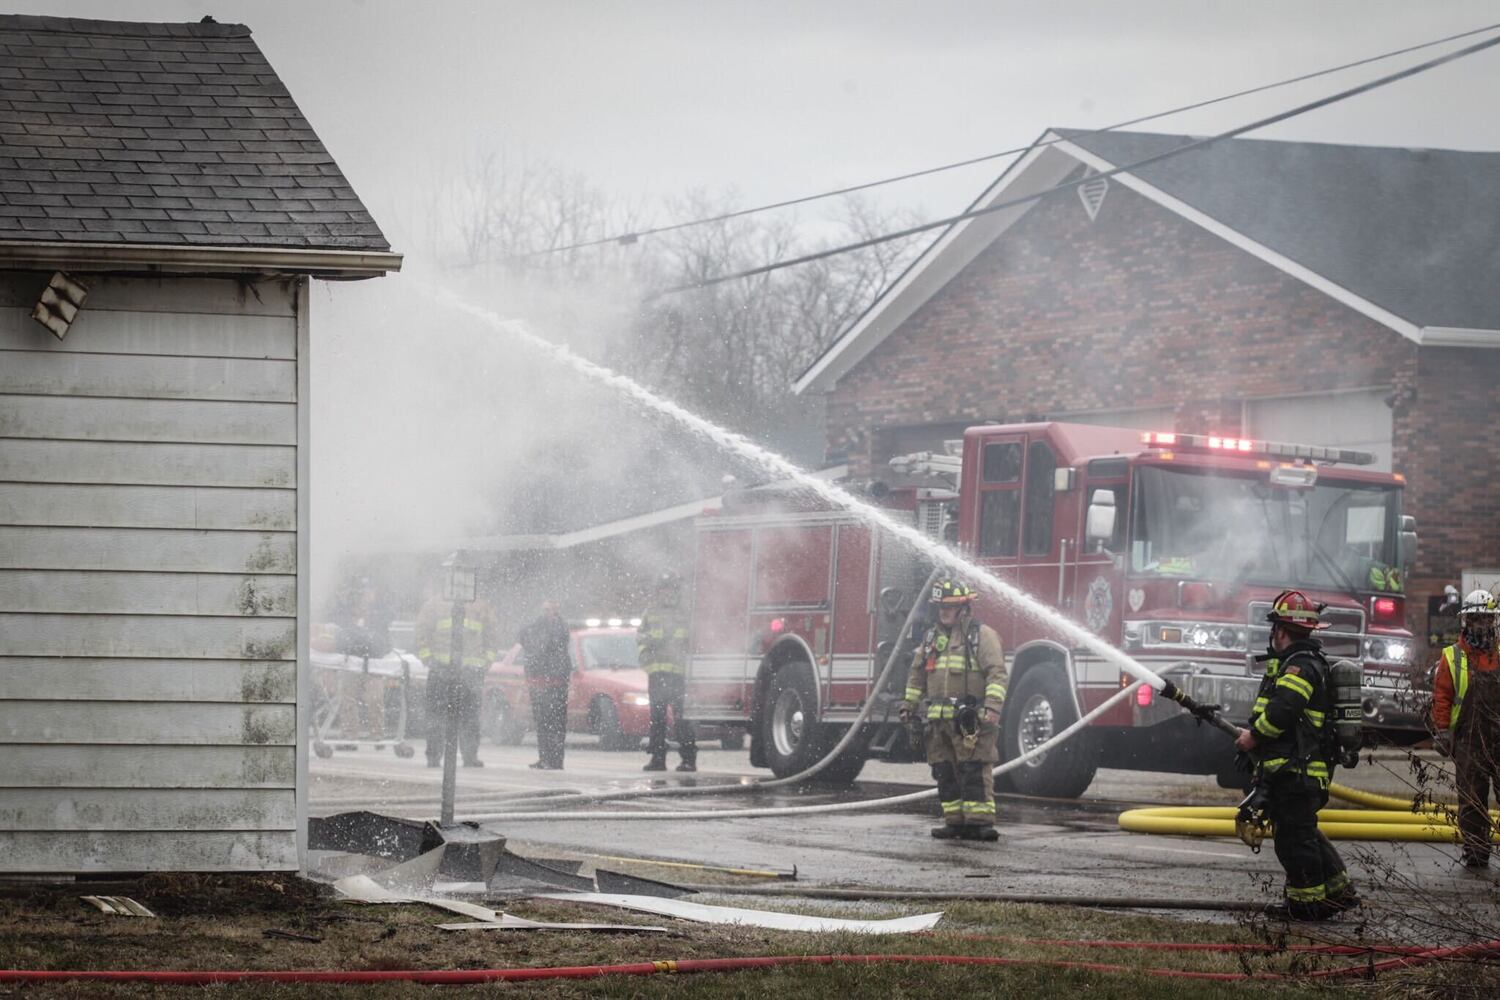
1404	236
162	140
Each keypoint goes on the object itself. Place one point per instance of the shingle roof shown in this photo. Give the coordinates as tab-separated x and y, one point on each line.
153	134
1410	230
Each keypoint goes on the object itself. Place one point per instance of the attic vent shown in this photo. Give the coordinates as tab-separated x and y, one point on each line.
1091	193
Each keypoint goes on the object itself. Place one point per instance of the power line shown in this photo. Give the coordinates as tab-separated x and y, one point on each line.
1282	116
634	236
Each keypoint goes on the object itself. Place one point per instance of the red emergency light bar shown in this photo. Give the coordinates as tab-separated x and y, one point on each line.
1246	446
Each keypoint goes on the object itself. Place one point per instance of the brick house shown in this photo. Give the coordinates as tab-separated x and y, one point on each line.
164	207
1337	295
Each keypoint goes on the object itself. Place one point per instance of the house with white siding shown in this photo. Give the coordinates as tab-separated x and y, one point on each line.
164	207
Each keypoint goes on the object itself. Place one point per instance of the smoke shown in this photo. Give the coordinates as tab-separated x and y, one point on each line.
430	432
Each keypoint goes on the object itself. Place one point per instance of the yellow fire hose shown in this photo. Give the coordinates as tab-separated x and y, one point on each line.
1396	821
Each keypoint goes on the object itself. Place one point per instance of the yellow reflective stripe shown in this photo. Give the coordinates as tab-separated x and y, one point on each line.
1263	725
950	661
1260	705
953	806
979	807
1296	683
1458	672
996	691
940	711
1338	882
913	694
662	668
1315	717
1307	894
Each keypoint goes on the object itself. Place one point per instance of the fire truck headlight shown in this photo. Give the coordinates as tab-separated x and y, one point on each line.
637	699
1397	651
1200	637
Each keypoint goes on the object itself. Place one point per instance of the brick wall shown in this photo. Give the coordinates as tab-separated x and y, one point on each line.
1139	309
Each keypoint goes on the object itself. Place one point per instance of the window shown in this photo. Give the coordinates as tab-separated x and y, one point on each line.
1037	527
1002	462
998	518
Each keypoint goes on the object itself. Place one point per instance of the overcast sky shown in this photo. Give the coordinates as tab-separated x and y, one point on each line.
651	98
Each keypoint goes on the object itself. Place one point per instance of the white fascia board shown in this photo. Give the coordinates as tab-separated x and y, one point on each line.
1456	336
1236	238
1038	169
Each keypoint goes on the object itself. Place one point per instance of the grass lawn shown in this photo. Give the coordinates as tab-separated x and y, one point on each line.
220	922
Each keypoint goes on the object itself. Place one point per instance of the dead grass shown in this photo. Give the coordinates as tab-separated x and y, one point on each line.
219	922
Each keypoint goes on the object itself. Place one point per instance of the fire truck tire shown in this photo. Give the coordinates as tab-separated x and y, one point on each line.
790	731
844	768
505	726
1039	708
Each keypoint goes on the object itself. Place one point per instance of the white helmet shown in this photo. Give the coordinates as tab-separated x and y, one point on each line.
1478	618
1479	602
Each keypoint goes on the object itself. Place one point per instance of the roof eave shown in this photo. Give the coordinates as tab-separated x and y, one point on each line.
158	258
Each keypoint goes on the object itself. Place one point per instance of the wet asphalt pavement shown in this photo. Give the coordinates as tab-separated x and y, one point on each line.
1053	847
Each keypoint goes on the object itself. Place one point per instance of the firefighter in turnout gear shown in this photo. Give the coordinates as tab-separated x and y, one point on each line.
959	673
1466	717
661	642
1289	741
453	689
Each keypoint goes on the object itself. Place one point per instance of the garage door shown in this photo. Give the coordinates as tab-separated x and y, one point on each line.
1158	419
1358	420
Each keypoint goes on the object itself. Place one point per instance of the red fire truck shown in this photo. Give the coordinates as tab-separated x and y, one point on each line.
1167	546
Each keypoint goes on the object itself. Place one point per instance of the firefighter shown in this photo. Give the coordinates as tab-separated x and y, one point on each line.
453	689
1466	715
1288	742
661	642
959	670
549	671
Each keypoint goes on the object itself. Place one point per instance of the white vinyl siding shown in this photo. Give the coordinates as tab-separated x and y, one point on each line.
150	468
1359	420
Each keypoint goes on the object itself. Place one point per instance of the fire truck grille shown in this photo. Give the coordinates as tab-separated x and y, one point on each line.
1340	641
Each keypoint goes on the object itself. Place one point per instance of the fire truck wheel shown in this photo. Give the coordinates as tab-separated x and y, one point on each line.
790	720
1040	708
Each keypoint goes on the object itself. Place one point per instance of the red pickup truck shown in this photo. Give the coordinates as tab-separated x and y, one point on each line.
606	696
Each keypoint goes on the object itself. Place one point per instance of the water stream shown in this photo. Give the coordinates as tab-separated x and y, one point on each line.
781	468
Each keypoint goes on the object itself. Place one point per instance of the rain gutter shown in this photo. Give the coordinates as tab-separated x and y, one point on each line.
156	258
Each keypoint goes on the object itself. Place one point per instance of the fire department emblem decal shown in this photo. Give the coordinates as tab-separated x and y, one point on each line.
1135	599
1098	604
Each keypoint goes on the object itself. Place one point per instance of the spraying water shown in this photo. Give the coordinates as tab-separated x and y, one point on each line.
779	466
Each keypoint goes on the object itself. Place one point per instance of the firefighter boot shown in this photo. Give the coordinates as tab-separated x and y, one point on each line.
977	831
1288	910
656	764
948	831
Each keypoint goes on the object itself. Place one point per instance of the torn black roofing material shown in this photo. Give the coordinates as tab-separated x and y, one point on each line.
1410	230
162	134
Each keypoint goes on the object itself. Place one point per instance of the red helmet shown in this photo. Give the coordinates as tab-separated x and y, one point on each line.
1293	610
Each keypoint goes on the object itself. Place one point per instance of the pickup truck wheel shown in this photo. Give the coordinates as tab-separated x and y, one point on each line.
1041	707
505	724
789	720
606	722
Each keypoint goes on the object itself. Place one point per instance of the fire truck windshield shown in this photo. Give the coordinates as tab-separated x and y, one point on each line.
1199	525
609	651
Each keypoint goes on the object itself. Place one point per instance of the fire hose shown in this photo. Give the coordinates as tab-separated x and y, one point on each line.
456	977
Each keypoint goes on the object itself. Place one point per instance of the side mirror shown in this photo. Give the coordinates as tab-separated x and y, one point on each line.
1100	525
1064	479
1406	542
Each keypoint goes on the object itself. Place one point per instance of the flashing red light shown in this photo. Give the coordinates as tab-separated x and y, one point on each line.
1158	437
1144	694
1386	610
778	625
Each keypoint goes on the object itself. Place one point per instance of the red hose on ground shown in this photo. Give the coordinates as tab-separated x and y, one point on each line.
453	977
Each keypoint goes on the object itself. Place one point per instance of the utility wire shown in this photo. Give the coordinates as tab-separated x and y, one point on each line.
636	235
1301	109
